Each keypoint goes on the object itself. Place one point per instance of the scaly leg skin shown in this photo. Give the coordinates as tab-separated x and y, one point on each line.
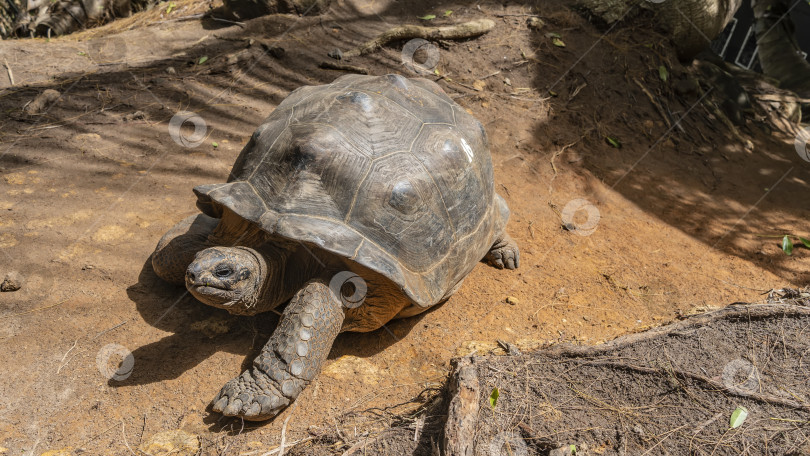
504	253
177	248
291	358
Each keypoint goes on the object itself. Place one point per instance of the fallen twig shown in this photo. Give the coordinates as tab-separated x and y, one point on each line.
654	102
219	19
326	64
405	32
10	74
517	15
284	429
182	18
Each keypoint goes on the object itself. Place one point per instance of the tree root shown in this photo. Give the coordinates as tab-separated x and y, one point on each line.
760	397
405	32
733	312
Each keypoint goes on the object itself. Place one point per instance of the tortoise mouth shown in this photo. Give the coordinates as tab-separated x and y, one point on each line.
211	294
206	289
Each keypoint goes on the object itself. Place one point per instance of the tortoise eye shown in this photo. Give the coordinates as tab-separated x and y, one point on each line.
223	271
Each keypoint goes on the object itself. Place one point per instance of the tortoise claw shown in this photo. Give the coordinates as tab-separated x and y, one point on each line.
249	397
504	254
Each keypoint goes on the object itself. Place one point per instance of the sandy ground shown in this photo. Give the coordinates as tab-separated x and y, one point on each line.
671	223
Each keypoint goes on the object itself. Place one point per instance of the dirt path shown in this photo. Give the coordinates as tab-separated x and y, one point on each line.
90	185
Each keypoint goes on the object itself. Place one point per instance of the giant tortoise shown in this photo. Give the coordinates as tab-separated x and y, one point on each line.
354	203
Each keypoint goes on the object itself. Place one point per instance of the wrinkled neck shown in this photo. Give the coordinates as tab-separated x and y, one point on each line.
290	265
250	299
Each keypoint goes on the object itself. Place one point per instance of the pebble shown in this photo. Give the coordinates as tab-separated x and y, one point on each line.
12	282
279	52
336	54
512	300
171	70
535	23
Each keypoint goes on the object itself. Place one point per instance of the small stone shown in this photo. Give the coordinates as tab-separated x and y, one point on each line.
512	300
175	443
12	282
137	115
276	52
535	23
336	54
171	70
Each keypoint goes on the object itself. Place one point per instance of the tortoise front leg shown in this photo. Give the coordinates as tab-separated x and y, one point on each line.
177	248
291	358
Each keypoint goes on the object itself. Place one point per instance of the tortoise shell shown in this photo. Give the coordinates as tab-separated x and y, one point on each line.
384	171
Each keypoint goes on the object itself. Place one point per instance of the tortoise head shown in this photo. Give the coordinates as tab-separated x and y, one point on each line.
230	278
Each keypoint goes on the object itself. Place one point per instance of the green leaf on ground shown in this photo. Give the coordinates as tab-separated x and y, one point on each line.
787	245
663	73
428	17
215	144
738	417
613	142
171	6
493	397
806	242
448	12
558	42
202	60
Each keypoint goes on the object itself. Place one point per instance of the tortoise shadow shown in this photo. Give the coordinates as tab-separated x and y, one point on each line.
199	331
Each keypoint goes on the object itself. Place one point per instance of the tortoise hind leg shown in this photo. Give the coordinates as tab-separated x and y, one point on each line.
504	253
291	358
177	248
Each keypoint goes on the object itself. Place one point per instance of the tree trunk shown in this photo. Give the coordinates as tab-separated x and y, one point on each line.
691	23
779	52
